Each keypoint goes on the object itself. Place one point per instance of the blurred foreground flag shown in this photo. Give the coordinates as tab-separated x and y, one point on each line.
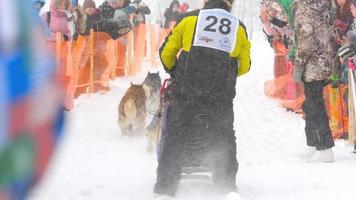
31	111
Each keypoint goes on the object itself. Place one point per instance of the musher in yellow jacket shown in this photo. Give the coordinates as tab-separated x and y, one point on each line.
204	54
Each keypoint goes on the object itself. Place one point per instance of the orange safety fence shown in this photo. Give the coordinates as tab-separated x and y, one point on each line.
289	94
59	49
96	64
155	42
282	88
121	56
86	65
139	47
337	108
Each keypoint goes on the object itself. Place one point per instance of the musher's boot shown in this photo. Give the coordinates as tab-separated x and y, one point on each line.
322	156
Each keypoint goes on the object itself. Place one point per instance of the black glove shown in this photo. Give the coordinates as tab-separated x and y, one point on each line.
171	71
277	22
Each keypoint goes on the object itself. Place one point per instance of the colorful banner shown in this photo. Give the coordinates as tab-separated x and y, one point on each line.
31	116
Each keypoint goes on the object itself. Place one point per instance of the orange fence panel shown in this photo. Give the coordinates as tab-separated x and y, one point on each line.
121	65
337	109
85	65
111	54
283	86
78	49
130	54
62	49
94	68
139	47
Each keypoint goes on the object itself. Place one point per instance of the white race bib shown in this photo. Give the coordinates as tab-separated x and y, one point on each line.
216	28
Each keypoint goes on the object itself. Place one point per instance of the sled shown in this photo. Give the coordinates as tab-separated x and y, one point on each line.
193	167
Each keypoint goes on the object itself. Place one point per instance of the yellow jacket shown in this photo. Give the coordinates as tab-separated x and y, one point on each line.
181	38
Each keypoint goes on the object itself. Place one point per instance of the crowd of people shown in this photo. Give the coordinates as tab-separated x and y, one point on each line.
112	20
70	18
314	44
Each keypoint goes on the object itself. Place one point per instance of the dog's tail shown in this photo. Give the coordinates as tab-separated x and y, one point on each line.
130	110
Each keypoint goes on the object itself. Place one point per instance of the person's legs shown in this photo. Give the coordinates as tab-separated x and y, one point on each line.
309	124
317	127
223	142
171	158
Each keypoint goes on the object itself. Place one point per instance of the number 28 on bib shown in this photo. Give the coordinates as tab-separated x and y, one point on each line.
216	28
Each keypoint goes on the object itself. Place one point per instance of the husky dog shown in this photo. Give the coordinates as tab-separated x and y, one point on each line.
153	131
132	110
153	81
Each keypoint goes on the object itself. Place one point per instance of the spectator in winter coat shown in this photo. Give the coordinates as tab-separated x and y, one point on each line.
342	20
203	78
141	10
347	52
278	32
37	5
343	11
109	7
60	18
313	67
118	26
172	13
184	8
275	22
127	3
93	16
114	18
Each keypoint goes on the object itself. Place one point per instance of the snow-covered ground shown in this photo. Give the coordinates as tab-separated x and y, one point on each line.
94	162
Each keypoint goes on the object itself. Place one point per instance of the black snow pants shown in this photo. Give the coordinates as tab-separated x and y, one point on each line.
183	122
317	129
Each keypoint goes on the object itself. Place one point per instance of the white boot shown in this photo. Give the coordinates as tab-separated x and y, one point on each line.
322	156
161	197
308	152
233	196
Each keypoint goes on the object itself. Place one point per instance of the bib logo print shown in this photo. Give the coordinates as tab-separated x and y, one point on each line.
216	29
225	42
205	39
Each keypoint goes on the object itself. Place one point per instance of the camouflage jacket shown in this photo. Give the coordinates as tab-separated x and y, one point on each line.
314	53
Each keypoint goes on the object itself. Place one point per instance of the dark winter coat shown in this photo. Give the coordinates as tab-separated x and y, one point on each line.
170	15
92	22
140	13
314	53
116	27
106	10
